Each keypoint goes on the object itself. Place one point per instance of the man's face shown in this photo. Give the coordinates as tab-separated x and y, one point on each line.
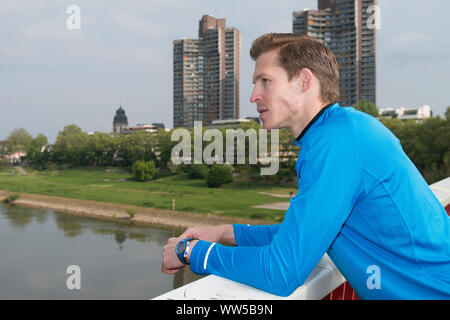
276	97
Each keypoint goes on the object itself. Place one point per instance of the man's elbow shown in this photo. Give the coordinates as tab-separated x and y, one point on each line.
285	291
285	287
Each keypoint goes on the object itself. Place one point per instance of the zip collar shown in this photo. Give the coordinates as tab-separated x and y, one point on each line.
316	117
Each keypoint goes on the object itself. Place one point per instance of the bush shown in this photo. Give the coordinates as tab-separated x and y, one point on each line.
144	170
131	211
197	171
10	200
218	175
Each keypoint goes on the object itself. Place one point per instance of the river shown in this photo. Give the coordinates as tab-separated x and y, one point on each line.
49	255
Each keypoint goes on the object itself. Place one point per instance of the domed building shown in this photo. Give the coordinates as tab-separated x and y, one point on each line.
120	123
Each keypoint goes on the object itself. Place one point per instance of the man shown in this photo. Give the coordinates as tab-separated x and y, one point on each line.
360	197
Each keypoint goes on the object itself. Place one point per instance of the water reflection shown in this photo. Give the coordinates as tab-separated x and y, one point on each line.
75	225
19	218
69	224
117	260
120	238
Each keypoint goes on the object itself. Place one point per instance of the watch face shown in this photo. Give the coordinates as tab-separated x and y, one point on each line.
180	247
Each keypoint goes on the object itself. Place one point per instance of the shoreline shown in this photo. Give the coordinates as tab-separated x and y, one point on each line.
118	212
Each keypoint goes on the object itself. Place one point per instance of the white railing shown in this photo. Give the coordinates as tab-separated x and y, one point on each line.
322	280
441	190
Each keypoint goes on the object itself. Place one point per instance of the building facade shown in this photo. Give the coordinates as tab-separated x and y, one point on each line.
120	122
417	114
140	128
120	125
348	28
206	74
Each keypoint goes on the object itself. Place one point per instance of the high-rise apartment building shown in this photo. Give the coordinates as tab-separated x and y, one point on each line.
347	28
206	74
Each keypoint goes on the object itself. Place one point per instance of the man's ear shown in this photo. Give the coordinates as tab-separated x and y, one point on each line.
306	79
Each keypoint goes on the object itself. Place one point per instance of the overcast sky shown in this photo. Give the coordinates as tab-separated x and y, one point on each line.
51	76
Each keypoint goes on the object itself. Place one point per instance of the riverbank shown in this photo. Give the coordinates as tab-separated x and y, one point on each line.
186	195
119	212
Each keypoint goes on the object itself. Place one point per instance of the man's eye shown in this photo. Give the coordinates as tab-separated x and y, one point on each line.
265	80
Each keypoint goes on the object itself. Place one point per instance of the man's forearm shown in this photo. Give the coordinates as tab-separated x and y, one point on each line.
224	232
228	234
221	233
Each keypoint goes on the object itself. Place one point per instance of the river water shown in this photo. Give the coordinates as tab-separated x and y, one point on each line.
112	260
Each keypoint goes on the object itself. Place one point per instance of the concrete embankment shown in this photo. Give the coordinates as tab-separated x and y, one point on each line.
119	212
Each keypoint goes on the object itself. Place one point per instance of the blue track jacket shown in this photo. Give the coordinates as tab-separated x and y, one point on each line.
361	200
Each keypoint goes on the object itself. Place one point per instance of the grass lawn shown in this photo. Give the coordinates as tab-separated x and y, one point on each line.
100	184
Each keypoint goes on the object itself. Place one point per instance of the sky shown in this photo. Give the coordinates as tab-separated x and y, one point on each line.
51	76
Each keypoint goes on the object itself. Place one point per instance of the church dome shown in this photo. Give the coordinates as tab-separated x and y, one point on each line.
120	116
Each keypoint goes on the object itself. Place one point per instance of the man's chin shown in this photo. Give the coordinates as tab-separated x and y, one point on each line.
268	126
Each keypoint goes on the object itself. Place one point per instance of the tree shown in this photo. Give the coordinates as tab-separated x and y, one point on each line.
367	107
71	145
100	149
427	144
136	146
218	175
249	125
144	170
447	113
18	140
162	147
34	150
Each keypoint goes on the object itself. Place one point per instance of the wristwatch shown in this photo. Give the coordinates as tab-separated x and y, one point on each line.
182	249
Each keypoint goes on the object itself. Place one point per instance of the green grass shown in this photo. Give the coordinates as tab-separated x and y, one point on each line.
96	184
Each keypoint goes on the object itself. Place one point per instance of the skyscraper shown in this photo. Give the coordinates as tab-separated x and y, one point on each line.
206	74
347	28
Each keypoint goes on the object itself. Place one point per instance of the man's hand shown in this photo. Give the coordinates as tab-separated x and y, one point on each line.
170	262
222	233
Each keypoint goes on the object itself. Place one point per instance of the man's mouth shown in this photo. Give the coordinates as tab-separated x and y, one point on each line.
261	110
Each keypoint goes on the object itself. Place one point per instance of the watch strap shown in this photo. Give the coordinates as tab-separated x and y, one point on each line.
182	255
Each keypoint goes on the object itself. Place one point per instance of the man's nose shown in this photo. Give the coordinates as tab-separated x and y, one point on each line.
255	97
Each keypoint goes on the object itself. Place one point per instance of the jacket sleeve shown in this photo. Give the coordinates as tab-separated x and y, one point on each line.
254	235
330	184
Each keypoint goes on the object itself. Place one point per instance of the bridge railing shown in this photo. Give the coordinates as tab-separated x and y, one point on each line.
324	282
